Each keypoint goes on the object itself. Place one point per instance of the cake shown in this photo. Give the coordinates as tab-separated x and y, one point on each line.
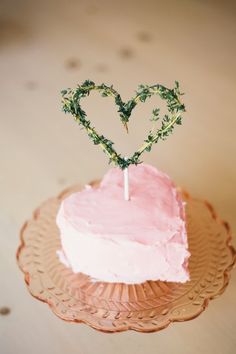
114	240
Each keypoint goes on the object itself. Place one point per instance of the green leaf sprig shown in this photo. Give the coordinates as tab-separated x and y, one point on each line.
71	103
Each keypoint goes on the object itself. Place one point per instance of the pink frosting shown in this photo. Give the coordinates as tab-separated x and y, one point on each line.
114	240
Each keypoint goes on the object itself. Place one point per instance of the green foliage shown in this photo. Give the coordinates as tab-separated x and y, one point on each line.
71	104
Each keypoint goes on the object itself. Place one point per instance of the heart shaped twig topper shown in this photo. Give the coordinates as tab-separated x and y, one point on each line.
71	100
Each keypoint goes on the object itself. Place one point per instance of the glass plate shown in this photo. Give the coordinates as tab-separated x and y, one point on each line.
108	307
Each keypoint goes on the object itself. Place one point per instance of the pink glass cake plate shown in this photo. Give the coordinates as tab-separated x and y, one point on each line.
113	307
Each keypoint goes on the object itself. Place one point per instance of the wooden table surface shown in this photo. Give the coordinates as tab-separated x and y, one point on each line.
49	45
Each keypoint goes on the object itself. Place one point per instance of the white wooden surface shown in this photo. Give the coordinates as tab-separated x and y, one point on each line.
48	45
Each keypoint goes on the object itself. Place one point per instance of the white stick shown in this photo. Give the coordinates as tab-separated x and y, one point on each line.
126	184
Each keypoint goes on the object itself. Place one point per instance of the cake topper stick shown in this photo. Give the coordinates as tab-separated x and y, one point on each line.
71	101
126	183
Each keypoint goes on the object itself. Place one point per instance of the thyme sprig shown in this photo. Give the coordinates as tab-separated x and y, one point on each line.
71	103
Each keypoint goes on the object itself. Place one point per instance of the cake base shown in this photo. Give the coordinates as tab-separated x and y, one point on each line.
113	307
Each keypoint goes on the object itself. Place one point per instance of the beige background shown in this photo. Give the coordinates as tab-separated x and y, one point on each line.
48	45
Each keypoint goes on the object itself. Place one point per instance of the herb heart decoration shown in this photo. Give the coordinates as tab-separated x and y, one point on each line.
71	104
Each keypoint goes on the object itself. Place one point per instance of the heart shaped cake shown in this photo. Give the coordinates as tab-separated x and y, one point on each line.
114	240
